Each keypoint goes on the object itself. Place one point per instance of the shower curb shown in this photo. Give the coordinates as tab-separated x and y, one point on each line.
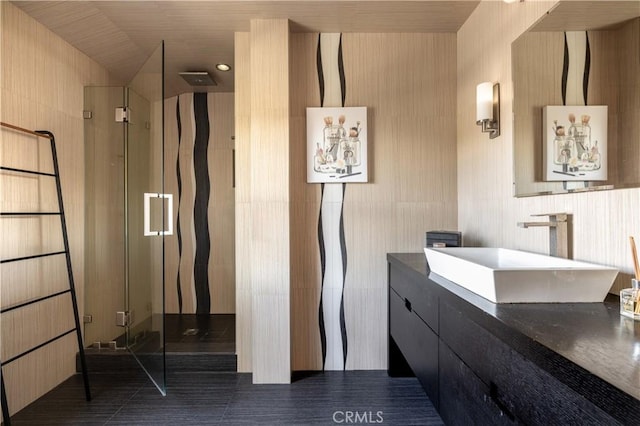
122	360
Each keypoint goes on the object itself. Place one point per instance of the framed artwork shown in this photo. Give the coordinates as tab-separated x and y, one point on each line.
574	143
337	145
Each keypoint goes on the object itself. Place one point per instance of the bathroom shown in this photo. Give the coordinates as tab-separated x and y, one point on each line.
431	168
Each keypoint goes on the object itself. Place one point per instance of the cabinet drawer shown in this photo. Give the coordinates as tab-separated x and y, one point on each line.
464	398
419	292
417	342
521	387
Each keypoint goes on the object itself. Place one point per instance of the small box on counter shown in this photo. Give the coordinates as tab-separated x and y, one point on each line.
448	238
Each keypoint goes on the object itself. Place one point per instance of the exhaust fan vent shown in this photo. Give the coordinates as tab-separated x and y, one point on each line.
198	78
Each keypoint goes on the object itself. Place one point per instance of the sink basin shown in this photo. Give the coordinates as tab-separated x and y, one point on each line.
513	276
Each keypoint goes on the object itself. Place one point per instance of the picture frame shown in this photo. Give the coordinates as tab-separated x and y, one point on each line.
337	145
574	143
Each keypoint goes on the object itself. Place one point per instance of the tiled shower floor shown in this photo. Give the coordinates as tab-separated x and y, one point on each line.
200	333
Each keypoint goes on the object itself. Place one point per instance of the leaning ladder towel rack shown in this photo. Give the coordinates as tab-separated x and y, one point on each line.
71	290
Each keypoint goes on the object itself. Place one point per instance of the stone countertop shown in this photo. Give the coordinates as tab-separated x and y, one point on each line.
588	346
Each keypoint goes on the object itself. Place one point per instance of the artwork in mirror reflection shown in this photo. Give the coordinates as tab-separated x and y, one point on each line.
541	71
575	143
337	144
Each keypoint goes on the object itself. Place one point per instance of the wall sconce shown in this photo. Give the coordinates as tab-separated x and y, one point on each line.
488	108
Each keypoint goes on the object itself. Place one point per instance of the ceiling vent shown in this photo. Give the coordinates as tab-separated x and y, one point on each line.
198	78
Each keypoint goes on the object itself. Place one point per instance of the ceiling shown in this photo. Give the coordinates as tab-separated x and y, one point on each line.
121	35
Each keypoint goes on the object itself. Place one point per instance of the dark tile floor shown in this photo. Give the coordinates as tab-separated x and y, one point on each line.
230	399
199	394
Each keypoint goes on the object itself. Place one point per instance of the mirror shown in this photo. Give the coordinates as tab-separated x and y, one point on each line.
580	53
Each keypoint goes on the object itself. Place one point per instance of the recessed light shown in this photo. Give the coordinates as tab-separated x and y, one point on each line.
223	67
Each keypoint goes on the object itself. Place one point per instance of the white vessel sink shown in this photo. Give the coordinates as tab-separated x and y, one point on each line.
513	276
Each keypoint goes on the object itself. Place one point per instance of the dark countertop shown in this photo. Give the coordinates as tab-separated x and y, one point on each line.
588	346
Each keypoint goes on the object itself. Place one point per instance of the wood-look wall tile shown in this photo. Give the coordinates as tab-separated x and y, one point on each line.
244	316
35	374
42	86
243	208
367	334
271	361
415	219
220	207
412	160
270	229
306	350
305	252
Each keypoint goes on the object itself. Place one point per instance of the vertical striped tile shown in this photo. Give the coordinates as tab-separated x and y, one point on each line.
178	229
577	60
199	172
201	202
331	238
186	204
575	78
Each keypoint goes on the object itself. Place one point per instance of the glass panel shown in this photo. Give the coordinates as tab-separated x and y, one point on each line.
104	215
144	175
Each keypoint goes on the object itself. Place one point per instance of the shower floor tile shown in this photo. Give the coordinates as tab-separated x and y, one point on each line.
214	333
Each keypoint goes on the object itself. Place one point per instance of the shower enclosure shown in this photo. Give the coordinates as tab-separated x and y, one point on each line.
127	218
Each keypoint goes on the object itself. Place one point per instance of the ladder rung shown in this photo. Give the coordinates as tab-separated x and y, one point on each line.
16	259
31	302
37	347
31	172
29	213
78	327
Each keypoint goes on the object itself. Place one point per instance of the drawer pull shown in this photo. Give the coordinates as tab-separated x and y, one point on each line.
407	304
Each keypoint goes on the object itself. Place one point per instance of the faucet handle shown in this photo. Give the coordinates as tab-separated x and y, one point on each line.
558	217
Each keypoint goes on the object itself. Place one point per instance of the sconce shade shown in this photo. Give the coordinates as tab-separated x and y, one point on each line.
484	101
488	108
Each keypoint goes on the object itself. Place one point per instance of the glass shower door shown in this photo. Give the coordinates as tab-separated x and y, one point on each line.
104	216
147	217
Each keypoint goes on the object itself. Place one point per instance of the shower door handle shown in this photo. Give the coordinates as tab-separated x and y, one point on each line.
147	214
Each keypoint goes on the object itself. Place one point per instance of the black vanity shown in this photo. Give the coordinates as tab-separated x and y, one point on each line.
486	363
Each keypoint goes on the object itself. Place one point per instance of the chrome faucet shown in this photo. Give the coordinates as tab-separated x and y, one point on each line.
559	225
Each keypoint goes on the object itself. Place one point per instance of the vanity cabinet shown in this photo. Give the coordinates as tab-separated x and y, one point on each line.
478	370
415	337
522	392
464	398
